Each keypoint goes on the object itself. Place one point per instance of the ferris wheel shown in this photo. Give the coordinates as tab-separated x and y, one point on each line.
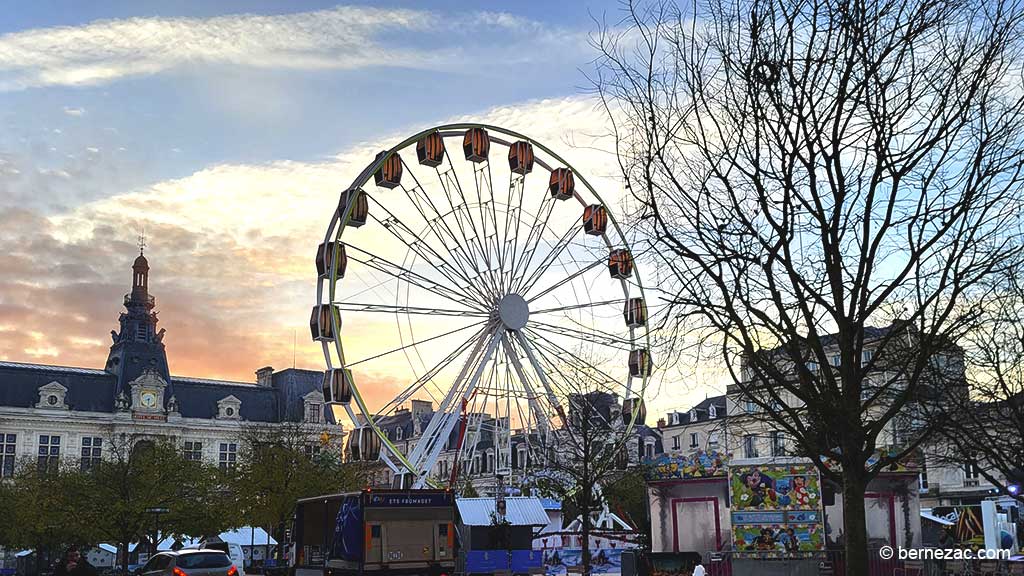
496	291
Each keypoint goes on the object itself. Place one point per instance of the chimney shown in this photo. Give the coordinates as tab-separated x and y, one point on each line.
661	423
420	409
263	376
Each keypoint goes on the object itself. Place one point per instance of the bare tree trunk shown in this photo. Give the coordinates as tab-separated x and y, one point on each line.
855	524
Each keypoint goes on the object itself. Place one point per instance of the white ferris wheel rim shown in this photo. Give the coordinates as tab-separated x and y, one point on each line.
512	311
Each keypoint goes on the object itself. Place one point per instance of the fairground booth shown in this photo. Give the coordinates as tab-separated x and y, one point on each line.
767	515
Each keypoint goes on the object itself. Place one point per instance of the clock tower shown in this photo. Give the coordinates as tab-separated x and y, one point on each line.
137	355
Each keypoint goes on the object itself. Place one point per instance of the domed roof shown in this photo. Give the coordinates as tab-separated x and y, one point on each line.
141	262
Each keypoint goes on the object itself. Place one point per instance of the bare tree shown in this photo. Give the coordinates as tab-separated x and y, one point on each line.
585	452
987	430
808	169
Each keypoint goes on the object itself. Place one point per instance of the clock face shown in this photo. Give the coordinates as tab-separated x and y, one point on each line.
148	399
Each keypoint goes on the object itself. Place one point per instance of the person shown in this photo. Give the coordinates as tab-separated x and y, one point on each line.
72	564
698	567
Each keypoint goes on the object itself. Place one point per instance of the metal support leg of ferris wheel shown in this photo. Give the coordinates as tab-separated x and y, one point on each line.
426	459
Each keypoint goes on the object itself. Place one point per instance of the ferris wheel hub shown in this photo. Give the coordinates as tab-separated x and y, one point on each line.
513	311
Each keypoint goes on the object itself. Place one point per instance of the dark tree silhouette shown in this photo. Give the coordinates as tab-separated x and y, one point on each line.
804	170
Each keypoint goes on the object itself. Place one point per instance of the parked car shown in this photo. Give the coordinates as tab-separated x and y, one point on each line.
234	551
202	562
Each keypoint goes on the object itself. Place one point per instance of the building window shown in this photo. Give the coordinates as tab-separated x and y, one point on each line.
778	443
92	447
649	449
675	418
312	450
750	406
193	451
712	411
972	474
694	440
490	463
693	415
866	356
8	453
313	412
228	455
141	332
837	360
750	446
713	440
522	458
398	433
675	442
49	451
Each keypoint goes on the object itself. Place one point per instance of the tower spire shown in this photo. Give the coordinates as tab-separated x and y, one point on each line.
142	243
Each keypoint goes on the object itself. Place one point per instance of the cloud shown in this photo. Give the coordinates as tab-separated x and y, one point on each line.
345	37
231	249
74	111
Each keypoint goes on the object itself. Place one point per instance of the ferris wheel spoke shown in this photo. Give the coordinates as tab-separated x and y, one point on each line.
401	273
521	263
387	309
578	306
422	249
595	336
422	381
480	240
580	372
563	281
516	184
414	344
550	258
586	368
420	199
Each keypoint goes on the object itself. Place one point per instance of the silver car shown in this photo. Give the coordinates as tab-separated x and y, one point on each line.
189	563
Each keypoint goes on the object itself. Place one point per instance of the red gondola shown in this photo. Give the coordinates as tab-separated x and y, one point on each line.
320	326
430	150
389	174
595	219
562	184
635	312
620	264
360	207
520	157
640	365
337	386
476	144
325	255
630	404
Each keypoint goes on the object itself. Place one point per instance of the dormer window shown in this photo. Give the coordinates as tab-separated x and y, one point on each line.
313	404
712	411
52	396
398	433
229	408
675	418
693	415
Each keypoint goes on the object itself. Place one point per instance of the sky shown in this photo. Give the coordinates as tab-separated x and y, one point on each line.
224	132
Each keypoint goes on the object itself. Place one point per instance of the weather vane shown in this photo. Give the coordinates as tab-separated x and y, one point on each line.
142	242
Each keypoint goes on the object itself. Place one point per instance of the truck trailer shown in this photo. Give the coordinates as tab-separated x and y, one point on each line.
400	532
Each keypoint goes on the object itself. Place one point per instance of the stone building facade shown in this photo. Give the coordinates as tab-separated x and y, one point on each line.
53	414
